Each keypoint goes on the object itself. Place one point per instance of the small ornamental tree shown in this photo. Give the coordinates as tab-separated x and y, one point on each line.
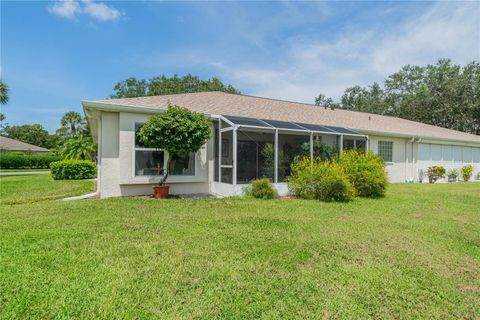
178	131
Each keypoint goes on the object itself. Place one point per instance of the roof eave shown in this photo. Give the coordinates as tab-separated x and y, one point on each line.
422	138
111	107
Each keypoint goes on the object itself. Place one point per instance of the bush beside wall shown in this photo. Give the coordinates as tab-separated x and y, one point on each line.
435	172
467	172
366	172
23	161
320	180
73	169
262	189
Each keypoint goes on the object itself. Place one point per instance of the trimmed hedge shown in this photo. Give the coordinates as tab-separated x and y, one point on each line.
366	172
73	169
23	161
325	181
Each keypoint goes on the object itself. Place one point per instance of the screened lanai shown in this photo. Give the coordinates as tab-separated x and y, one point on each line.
247	148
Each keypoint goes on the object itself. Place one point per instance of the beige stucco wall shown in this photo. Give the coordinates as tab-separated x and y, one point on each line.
403	166
117	156
109	163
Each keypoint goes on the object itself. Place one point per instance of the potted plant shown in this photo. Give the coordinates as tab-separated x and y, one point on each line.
452	175
178	131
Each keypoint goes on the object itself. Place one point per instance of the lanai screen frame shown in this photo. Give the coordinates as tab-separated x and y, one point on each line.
263	125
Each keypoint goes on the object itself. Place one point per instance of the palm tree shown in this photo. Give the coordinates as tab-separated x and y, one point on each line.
71	124
81	147
3	100
3	92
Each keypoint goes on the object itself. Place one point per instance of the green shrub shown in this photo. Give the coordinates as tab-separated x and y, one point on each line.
22	161
320	180
262	189
467	172
452	175
73	169
434	173
366	172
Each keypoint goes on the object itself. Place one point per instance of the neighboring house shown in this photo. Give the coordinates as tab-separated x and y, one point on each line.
254	137
11	145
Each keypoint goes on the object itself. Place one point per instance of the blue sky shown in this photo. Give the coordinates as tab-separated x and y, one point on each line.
55	54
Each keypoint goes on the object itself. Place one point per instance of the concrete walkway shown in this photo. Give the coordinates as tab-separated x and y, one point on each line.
21	173
92	195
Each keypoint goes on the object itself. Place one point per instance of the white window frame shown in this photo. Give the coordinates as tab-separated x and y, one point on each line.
390	143
165	157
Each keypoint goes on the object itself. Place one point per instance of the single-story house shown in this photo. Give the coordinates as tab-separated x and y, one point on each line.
257	137
12	145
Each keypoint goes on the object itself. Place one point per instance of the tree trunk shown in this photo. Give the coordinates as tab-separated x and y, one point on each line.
167	170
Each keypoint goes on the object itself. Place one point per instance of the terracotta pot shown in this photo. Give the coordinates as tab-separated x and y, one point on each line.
161	192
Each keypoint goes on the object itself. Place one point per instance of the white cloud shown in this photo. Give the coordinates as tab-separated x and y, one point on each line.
101	11
312	66
71	9
65	9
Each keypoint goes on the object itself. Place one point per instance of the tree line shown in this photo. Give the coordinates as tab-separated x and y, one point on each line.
72	140
163	85
442	94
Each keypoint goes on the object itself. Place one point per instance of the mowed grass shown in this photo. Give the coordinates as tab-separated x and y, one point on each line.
23	170
412	254
32	188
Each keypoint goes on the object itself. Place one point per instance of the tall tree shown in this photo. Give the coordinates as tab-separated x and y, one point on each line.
371	99
3	92
443	94
163	85
323	101
72	124
34	134
3	97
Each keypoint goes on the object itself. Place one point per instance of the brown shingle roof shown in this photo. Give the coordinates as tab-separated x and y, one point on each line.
221	103
15	145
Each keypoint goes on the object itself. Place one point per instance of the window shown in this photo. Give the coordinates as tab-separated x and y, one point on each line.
183	165
385	150
348	144
151	162
148	161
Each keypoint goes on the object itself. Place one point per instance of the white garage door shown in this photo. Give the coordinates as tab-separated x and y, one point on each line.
448	156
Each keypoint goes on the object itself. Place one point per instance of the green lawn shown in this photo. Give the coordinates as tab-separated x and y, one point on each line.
23	170
32	188
413	254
